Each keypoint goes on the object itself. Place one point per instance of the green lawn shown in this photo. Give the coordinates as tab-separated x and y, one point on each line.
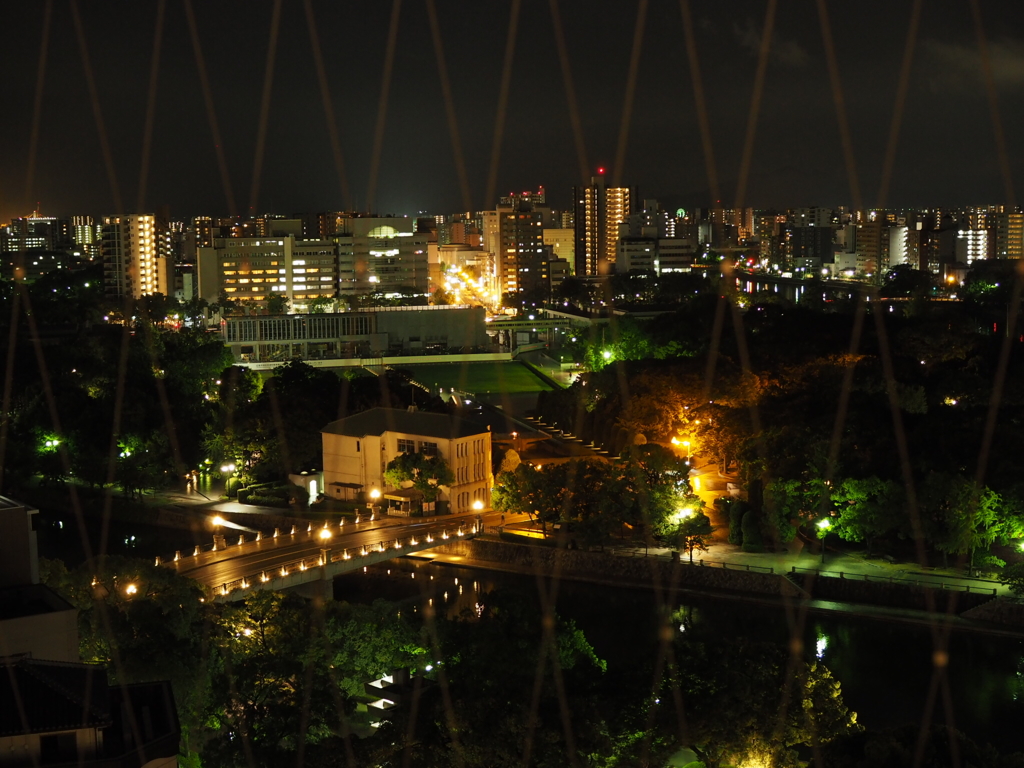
508	377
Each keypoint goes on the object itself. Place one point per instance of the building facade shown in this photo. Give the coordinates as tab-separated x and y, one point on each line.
253	269
380	254
135	251
343	335
598	211
358	449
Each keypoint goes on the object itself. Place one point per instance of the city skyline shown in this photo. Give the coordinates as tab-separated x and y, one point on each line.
947	152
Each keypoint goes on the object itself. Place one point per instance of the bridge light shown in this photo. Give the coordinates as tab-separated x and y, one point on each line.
264	578
325	534
218	520
284	571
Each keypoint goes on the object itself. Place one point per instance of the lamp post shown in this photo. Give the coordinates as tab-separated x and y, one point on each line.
823	528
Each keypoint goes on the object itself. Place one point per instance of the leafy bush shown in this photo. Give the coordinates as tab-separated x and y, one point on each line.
267	501
752	541
1013	577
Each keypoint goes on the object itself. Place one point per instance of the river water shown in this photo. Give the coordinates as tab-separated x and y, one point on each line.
885	667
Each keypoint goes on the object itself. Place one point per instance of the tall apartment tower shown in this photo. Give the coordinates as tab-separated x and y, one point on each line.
598	212
135	251
522	260
1008	239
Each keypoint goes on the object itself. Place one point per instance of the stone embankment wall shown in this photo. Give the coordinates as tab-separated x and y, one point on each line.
605	567
1002	610
892	594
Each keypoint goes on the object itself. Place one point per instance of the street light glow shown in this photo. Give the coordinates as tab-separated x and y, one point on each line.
478	504
131	589
325	534
218	520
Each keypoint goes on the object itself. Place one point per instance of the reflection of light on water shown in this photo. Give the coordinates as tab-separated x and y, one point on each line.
820	646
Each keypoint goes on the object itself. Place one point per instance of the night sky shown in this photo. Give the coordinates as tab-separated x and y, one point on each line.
947	154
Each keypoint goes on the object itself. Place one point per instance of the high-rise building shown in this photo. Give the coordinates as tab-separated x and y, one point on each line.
521	258
202	226
598	212
1008	236
562	242
134	249
810	247
971	245
86	235
383	254
30	233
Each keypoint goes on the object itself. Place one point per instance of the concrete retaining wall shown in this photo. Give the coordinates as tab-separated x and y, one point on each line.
894	595
605	567
1001	610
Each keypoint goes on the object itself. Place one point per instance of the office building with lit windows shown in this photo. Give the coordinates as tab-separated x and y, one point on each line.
382	254
134	248
253	269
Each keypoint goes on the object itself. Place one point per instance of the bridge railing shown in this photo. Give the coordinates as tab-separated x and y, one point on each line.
940	585
304	564
310	531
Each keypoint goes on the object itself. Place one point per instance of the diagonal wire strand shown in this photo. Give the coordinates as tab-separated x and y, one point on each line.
147	131
903	86
268	86
570	92
37	103
503	89
998	134
840	102
755	103
211	111
449	105
627	102
325	96
382	105
698	97
97	111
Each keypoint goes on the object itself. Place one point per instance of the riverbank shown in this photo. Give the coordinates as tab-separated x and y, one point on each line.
874	600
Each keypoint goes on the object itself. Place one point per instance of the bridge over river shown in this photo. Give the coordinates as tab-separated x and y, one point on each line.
293	558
